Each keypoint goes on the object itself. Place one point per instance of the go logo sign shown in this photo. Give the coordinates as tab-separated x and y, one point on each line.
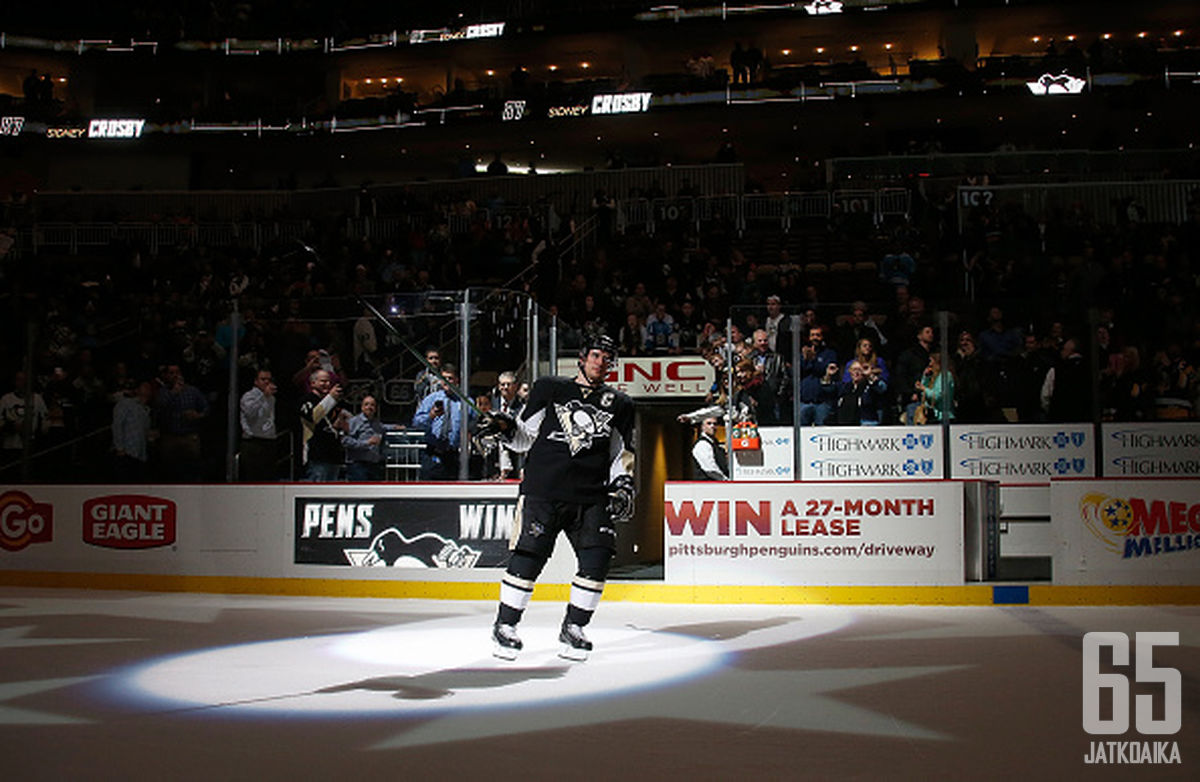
1145	672
23	521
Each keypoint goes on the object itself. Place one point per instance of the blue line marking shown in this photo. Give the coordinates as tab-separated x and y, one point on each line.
1010	595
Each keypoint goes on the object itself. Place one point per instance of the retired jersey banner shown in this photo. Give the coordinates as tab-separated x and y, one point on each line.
1022	453
1116	531
408	533
1151	449
809	534
870	453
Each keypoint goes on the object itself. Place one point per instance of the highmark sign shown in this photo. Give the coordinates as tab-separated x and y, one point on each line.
1134	450
870	453
1022	453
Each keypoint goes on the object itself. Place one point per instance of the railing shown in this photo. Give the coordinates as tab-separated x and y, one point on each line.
762	210
1029	165
568	191
1119	202
1155	202
152	236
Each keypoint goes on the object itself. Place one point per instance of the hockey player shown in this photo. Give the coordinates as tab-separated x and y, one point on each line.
577	434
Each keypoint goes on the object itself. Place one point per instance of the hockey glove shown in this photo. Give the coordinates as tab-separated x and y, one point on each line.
620	498
501	424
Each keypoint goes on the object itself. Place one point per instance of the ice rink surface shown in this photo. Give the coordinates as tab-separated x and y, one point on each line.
149	686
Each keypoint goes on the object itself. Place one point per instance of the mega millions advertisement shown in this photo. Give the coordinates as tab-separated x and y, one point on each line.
1126	531
405	533
814	533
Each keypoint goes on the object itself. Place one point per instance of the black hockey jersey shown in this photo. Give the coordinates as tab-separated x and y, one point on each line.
322	443
578	440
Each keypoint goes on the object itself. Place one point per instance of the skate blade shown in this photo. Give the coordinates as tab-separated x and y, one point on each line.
568	652
504	652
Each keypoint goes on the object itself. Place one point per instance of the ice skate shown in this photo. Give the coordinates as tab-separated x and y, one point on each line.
575	645
507	644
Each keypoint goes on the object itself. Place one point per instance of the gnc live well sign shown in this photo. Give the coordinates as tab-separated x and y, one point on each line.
666	377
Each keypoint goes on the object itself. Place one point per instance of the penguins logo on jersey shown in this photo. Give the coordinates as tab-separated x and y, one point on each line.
580	425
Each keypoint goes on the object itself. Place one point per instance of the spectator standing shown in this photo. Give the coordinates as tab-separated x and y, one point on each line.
428	380
861	399
1067	389
661	334
777	327
972	400
1028	373
997	342
507	401
181	408
936	391
12	418
131	433
818	389
909	367
439	415
1125	393
690	325
868	359
256	460
777	381
366	343
363	442
631	340
322	421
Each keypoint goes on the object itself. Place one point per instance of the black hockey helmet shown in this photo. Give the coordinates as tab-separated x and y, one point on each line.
598	342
